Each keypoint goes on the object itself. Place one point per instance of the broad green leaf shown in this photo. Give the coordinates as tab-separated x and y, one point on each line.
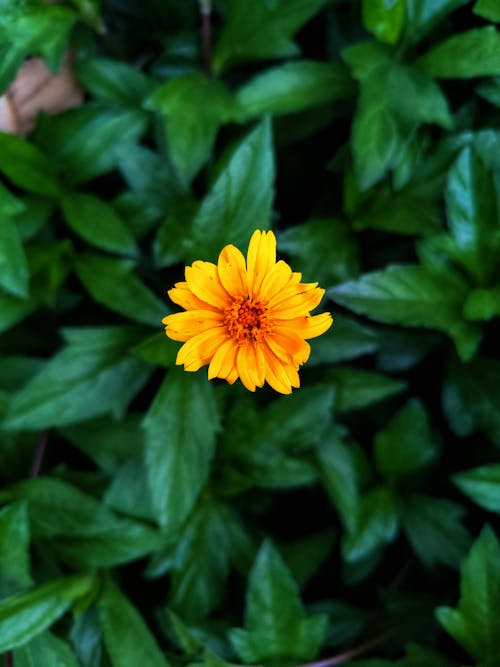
158	350
240	198
13	265
276	626
475	621
472	214
33	30
465	55
26	615
305	555
322	249
357	388
384	19
422	15
194	107
112	283
470	397
90	376
15	571
406	443
483	303
114	81
87	142
86	638
364	57
376	524
129	491
23	164
347	339
407	294
435	530
46	650
13	310
96	221
10	205
482	485
488	9
292	87
127	639
108	443
180	427
261	30
34	216
212	540
337	467
79	529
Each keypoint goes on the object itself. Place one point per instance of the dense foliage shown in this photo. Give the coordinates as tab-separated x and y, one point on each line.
176	521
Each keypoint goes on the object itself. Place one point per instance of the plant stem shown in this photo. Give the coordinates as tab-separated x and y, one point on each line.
41	446
206	31
340	658
7	659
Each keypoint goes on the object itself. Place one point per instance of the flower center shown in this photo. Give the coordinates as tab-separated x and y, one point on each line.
246	320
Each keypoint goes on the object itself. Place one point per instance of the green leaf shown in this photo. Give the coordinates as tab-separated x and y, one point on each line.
127	639
111	283
347	339
261	30
158	350
114	81
23	164
488	9
322	249
27	615
407	294
338	470
129	491
472	214
435	530
194	107
376	524
79	529
292	87
406	443
14	274
357	388
305	556
422	15
87	142
15	571
275	624
201	564
463	56
470	397
90	376
180	426
96	222
482	485
483	304
384	19
46	650
475	622
240	198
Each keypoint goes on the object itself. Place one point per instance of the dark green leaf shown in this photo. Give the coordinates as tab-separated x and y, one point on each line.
384	19
112	283
46	650
90	376
13	266
27	615
475	622
482	485
194	107
129	491
97	223
158	350
293	87
435	530
406	443
488	9
465	55
422	15
358	388
483	304
15	571
275	624
80	530
26	166
305	556
181	426
347	339
114	81
262	30
240	198
127	639
376	524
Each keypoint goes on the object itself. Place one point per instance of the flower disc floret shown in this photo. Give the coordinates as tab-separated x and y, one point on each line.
246	319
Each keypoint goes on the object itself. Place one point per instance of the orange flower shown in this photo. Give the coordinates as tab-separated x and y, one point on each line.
246	319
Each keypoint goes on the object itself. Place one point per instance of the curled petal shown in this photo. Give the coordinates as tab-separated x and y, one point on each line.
232	271
203	280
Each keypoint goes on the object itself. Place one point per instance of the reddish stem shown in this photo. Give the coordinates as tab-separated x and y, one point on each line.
41	446
7	659
206	31
353	653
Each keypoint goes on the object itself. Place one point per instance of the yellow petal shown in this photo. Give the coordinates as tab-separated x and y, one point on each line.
309	326
276	377
261	257
223	360
290	342
245	368
203	280
183	326
199	350
232	271
277	278
298	304
182	296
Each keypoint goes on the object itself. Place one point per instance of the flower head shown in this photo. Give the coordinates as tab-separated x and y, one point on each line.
248	319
